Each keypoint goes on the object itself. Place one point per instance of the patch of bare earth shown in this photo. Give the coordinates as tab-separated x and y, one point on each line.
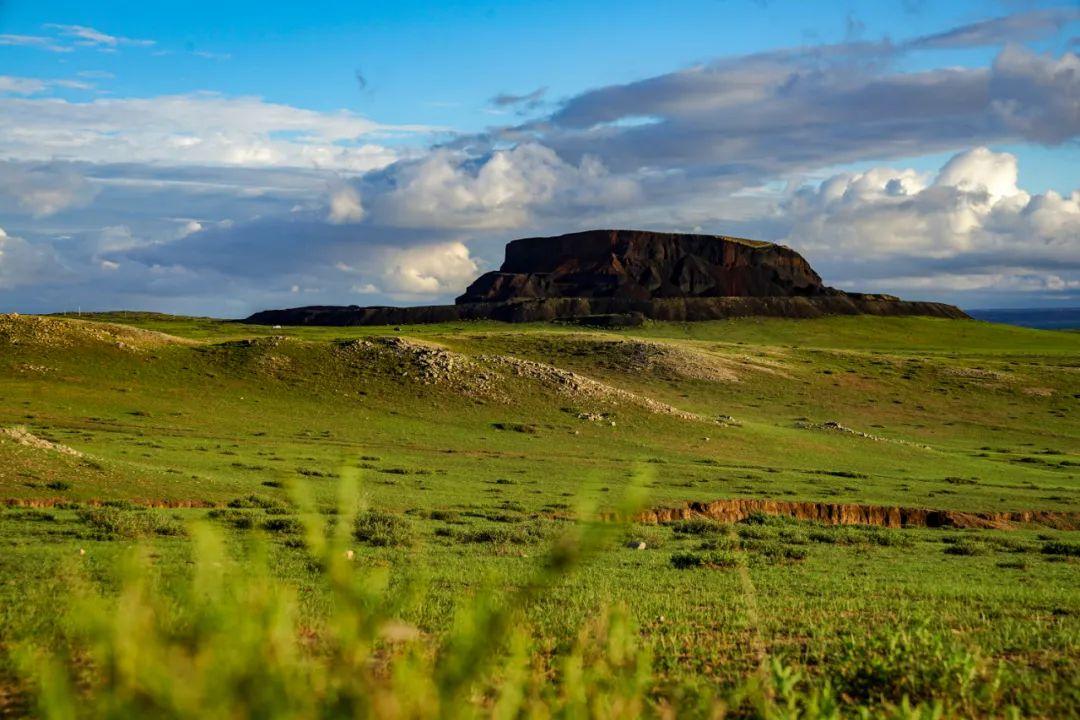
891	516
98	502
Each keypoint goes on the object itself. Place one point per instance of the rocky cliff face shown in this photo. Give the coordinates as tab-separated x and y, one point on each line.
607	277
633	265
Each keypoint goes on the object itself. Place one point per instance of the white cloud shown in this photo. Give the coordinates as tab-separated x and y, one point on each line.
33	41
12	85
91	37
365	289
503	190
345	206
981	170
1010	279
23	263
20	85
189	228
428	269
196	129
970	227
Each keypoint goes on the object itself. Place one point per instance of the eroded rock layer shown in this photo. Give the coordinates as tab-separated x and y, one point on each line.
640	265
677	309
857	514
619	277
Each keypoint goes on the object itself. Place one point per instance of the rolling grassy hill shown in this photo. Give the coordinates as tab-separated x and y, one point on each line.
485	441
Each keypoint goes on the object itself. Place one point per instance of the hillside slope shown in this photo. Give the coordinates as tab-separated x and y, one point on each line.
819	410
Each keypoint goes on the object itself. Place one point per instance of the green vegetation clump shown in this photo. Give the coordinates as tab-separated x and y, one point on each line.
918	664
115	523
964	546
1061	548
283	525
719	559
516	534
239	519
383	529
699	526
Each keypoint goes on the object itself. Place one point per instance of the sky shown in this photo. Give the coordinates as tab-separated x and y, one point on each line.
222	158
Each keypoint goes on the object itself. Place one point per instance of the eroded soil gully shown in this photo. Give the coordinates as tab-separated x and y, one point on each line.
95	502
857	514
890	516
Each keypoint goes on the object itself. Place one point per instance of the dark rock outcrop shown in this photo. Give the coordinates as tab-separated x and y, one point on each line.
637	265
610	273
678	309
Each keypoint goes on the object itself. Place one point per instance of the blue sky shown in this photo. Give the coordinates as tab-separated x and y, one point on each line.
383	152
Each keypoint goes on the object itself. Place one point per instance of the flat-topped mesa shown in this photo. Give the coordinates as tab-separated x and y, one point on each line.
621	277
637	265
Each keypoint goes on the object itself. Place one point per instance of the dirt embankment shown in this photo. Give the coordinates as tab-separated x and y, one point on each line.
858	514
97	502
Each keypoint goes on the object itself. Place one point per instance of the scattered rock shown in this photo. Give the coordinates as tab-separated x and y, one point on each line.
424	363
592	417
580	387
834	426
22	436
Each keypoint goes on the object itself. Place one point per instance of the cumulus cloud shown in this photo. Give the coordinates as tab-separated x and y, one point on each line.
436	269
503	189
190	227
345	205
968	227
201	128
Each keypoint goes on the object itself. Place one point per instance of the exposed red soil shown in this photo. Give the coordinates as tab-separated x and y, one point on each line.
857	514
95	502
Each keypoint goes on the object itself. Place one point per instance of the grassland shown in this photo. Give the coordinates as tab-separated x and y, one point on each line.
481	444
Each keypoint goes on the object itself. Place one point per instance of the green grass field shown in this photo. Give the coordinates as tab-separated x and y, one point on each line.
479	452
